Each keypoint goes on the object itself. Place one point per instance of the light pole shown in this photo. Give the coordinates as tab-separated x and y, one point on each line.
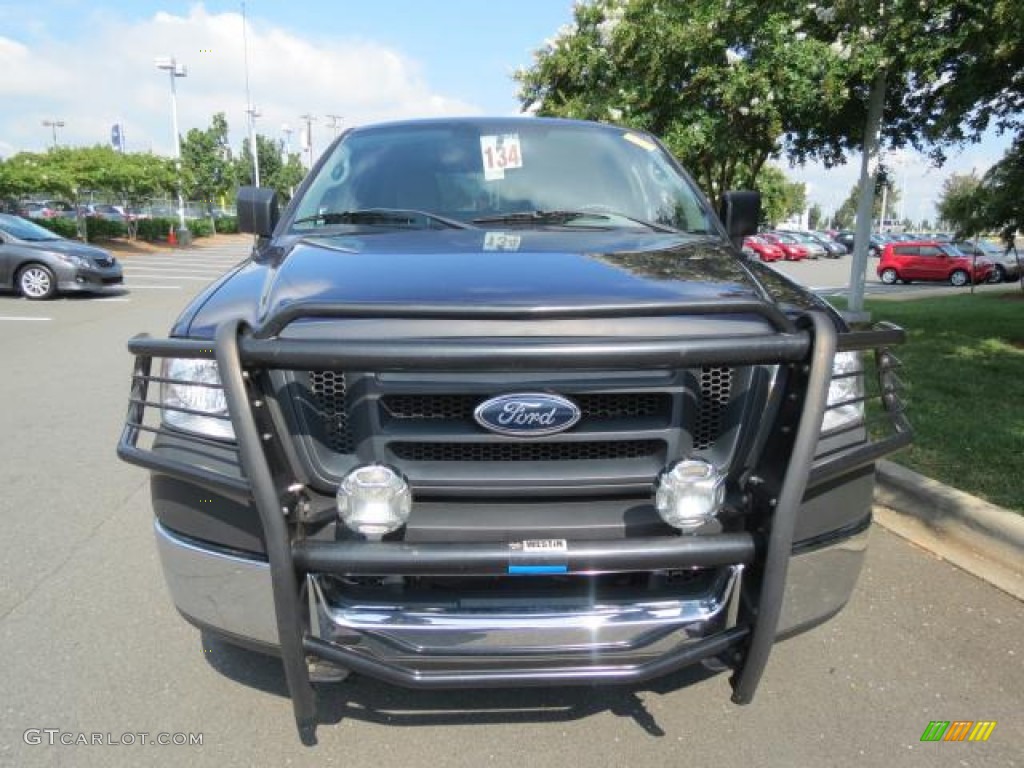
174	71
54	125
253	113
308	118
286	146
335	123
250	109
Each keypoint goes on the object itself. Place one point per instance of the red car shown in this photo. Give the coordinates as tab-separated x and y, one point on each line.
758	246
930	260
790	247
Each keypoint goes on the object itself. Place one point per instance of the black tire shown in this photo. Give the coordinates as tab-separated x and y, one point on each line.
959	278
36	282
889	276
874	252
998	274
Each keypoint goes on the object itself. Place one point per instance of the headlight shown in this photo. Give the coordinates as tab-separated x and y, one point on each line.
74	259
845	405
205	395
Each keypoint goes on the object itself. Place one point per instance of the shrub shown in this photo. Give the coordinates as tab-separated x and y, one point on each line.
227	225
155	228
103	229
200	227
61	226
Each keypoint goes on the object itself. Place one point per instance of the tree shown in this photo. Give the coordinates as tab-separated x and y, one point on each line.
815	217
73	173
958	204
283	174
994	202
205	169
780	197
727	85
846	215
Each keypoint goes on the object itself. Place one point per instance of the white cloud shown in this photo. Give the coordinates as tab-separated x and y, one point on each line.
919	180
107	75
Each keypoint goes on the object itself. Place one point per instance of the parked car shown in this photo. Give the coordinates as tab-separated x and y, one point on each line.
877	242
793	249
106	211
499	402
845	238
37	209
1005	262
833	248
764	250
38	263
815	250
930	260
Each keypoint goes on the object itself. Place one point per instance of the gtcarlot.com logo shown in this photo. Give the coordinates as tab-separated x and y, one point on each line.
958	730
56	737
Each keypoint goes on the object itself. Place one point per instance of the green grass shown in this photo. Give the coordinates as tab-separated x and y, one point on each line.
964	382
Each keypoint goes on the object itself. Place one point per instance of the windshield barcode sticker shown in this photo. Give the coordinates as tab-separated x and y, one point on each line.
499	154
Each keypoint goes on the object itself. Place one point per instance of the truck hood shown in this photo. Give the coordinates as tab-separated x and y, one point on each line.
474	267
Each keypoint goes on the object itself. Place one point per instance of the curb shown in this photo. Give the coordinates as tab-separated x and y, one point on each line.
981	538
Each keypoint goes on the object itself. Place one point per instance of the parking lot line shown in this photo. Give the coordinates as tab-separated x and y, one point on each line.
133	286
149	276
27	319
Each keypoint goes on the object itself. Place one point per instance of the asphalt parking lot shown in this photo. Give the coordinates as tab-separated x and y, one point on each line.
830	277
90	642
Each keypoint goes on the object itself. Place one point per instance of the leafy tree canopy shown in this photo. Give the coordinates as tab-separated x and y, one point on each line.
205	167
281	172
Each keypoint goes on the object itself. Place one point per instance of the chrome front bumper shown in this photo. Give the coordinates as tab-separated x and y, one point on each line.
232	595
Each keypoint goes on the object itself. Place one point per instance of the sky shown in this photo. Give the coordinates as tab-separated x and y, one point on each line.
90	63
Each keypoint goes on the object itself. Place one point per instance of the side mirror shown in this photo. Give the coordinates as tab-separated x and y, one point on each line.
257	210
740	212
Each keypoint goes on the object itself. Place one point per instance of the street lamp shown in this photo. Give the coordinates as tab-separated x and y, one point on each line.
307	137
335	123
174	71
53	124
253	113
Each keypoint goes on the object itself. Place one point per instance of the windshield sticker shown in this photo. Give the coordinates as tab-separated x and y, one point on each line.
500	153
501	241
640	141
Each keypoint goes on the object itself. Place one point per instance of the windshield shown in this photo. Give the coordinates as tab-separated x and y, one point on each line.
15	226
501	174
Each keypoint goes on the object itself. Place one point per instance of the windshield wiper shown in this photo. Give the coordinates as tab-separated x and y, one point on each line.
565	216
381	217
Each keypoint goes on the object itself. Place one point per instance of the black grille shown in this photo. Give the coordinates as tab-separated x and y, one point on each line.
603	407
715	390
331	398
475	452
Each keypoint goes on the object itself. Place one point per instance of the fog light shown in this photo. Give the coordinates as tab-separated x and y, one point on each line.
689	494
374	500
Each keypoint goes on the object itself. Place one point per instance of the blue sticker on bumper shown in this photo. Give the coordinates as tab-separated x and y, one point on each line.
533	570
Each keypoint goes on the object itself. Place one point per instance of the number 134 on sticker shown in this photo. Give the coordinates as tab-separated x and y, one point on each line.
500	153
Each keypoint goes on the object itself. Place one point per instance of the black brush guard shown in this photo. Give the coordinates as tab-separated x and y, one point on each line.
807	345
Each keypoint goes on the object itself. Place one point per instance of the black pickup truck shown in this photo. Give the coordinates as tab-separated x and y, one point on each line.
500	402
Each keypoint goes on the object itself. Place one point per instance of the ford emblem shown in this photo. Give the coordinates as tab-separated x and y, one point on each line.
531	414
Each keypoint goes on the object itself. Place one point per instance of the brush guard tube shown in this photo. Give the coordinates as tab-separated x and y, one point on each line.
807	347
